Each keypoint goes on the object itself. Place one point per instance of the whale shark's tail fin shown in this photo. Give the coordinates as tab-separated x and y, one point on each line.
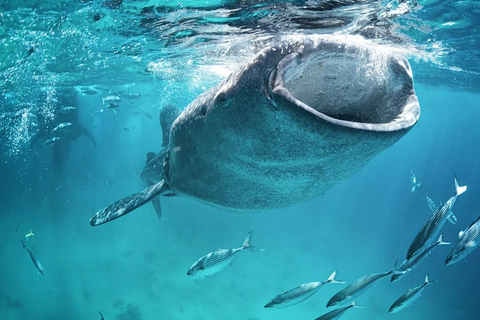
128	204
168	114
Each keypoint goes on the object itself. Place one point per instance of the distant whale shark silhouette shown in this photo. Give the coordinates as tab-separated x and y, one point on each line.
298	118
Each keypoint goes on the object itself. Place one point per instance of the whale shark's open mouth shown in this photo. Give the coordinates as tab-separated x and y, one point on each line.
358	87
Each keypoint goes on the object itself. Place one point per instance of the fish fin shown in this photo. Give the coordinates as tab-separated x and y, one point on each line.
452	218
441	242
150	156
459	189
461	233
471	244
101	315
355	305
247	243
332	279
156	202
128	204
427	281
158	208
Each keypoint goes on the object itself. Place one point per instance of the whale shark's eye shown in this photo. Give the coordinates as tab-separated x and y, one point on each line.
222	99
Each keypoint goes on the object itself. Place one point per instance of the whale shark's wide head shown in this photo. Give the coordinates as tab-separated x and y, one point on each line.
301	116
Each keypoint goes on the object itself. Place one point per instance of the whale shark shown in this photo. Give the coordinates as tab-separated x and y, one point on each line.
302	115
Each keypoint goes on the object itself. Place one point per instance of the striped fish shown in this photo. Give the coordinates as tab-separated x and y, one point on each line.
337	313
409	297
432	226
37	263
410	264
466	244
356	288
217	261
299	293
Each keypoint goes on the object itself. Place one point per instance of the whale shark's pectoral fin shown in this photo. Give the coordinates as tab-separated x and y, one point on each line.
156	204
130	203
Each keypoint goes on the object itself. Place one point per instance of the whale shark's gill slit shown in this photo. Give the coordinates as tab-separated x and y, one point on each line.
128	204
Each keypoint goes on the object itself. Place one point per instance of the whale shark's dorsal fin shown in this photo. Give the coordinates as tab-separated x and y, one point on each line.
130	203
168	114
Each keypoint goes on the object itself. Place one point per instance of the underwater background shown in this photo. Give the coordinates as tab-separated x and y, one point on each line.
154	53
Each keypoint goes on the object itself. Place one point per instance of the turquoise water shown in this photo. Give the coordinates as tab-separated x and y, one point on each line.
135	267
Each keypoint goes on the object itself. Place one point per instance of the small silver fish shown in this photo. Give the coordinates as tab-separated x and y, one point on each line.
145	112
67	110
90	92
37	263
413	179
337	313
468	241
131	96
408	298
97	112
62	127
299	293
51	141
410	264
432	226
111	99
356	288
217	261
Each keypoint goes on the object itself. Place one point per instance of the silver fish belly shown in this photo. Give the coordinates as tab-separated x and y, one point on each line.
356	288
299	293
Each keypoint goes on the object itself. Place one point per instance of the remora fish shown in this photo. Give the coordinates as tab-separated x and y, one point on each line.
356	288
466	244
37	263
217	261
337	313
410	264
299	293
409	297
432	226
62	127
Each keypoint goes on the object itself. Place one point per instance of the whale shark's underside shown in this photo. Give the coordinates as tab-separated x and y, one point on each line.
298	118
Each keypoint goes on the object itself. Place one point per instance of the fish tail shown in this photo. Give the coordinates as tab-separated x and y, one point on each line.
441	242
246	243
459	189
427	282
332	279
23	243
